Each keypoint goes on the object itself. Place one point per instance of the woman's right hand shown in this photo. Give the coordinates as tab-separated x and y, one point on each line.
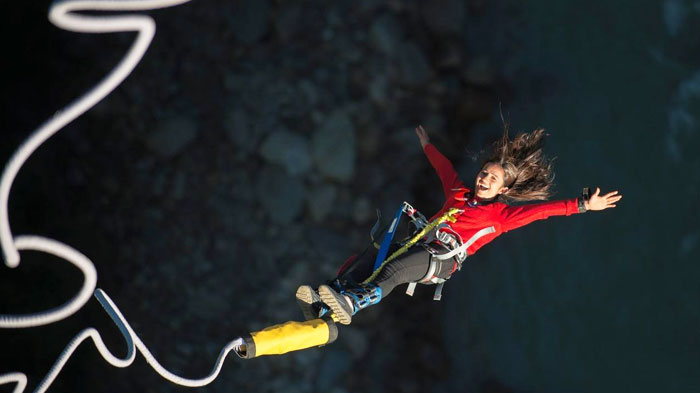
422	136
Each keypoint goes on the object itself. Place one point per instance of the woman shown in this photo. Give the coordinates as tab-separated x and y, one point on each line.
517	171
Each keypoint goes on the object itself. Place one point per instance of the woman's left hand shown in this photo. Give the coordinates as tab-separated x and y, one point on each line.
598	202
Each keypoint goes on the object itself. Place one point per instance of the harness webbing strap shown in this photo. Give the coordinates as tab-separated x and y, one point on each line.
431	271
411	288
388	237
467	244
375	227
428	278
449	216
438	291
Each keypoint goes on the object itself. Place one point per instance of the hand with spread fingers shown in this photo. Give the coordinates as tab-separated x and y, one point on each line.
598	202
422	136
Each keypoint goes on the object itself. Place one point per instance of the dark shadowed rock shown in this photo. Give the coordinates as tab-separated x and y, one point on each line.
172	136
378	90
240	132
250	20
356	341
473	106
362	211
413	65
444	17
287	21
287	149
333	147
479	72
449	55
368	140
320	200
335	364
281	195
385	34
310	92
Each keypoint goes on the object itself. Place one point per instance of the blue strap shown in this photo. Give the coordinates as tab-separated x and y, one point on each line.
386	241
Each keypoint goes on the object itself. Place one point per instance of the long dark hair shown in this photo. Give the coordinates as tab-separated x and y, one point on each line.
528	173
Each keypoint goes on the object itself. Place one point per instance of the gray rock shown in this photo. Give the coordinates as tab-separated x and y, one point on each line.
444	17
240	132
288	150
286	100
178	186
413	64
320	200
362	211
335	363
355	341
328	248
172	136
250	20
370	6
479	72
449	57
309	91
281	195
352	52
473	105
333	147
378	90
287	21
369	140
241	188
158	180
405	139
385	34
434	123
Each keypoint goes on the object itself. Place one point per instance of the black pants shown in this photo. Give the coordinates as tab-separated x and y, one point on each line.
409	267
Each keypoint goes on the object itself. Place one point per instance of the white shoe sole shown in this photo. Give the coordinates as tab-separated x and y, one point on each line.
332	299
305	300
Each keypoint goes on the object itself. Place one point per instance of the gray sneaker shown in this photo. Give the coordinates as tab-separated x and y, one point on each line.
310	303
338	304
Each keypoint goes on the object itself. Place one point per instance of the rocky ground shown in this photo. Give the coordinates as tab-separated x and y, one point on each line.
245	156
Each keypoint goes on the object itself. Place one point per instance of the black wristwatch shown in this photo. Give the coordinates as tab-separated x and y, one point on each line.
585	195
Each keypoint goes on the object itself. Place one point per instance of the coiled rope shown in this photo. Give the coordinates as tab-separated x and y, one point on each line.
65	14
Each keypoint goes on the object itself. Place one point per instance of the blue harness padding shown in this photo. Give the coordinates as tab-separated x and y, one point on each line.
386	241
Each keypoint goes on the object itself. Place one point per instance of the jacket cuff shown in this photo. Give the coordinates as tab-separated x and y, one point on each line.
585	195
581	205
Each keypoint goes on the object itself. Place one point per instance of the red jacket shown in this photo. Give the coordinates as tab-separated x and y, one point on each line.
497	214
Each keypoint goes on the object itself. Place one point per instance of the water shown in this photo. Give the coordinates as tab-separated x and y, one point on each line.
606	301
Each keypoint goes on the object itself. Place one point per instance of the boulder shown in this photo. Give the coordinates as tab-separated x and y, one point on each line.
320	201
385	34
281	195
250	20
288	150
333	147
173	136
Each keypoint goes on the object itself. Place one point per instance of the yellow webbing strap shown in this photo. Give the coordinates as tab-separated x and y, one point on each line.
449	216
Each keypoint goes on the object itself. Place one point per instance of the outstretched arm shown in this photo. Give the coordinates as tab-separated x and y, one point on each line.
516	216
446	172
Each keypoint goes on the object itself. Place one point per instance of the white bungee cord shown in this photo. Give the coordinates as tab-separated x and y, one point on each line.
65	14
